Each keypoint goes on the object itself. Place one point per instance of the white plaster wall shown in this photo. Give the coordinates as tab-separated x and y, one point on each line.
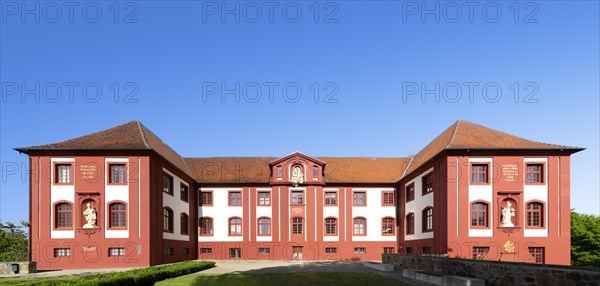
61	193
536	192
178	206
416	206
373	212
115	193
220	212
484	193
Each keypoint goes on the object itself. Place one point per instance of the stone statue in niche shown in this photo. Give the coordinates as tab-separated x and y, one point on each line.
507	214
90	216
297	176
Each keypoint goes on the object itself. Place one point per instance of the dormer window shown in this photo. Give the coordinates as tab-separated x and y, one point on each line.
315	172
279	171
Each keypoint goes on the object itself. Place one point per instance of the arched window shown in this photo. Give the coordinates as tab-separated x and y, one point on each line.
387	226
479	214
264	226
427	219
118	215
184	225
167	219
64	215
235	226
331	226
535	214
206	226
360	226
410	223
297	225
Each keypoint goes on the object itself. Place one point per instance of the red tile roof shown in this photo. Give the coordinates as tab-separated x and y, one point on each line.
129	136
465	135
337	169
461	135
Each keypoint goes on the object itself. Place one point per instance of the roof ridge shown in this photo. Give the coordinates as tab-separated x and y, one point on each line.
453	134
139	124
407	166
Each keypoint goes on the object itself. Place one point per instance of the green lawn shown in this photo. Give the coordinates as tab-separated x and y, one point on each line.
287	279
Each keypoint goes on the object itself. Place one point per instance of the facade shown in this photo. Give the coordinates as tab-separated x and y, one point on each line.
121	197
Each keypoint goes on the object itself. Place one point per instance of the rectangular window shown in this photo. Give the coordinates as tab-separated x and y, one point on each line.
315	172
426	249
235	198
330	226
61	252
538	254
331	250
206	199
297	197
118	251
183	224
264	250
330	198
479	173
183	192
185	251
235	226
535	214
235	253
264	198
118	174
410	224
535	173
410	192
427	184
279	171
388	199
264	226
360	250
168	184
206	250
169	251
63	174
427	219
479	214
297	225
360	198
480	252
409	250
206	226
388	250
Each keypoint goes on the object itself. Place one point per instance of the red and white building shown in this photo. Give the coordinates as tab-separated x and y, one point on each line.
148	205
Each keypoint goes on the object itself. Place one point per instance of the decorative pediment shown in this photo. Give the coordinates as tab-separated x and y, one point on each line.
297	169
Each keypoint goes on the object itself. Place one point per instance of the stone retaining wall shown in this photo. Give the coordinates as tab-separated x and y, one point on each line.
497	273
25	267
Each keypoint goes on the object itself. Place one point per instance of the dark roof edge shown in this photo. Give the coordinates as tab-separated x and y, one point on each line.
27	149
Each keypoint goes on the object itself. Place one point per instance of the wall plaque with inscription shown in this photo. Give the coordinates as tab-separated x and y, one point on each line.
89	171
510	172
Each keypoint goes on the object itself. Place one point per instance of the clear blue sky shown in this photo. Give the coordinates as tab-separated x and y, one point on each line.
170	56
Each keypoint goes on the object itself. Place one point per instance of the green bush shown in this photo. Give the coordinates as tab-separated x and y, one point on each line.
142	276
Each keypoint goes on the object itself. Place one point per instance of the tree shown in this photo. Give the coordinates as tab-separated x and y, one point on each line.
585	239
13	242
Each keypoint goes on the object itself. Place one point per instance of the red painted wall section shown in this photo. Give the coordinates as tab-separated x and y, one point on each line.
89	248
509	185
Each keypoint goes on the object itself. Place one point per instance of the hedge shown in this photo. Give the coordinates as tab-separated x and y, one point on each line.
142	276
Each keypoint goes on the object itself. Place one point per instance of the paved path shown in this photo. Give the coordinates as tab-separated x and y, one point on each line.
262	266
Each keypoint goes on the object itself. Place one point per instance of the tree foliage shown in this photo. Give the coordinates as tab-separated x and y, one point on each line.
13	242
585	239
